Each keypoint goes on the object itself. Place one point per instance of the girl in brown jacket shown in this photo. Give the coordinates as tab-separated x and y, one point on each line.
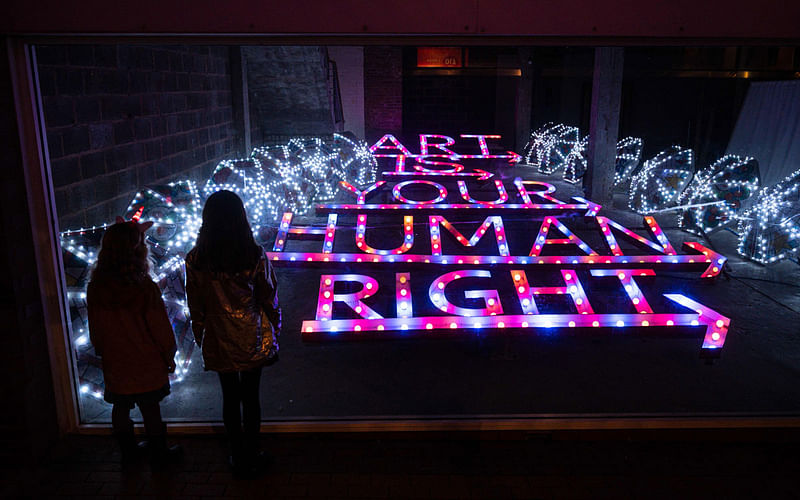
130	331
231	293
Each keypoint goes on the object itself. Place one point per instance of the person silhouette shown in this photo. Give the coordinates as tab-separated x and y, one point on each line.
131	333
231	291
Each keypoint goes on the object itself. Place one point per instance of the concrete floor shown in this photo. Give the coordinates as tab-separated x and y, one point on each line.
623	372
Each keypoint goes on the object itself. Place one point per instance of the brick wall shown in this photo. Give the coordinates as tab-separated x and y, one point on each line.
383	91
450	105
288	92
122	117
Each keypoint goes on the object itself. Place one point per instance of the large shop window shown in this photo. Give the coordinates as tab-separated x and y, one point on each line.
431	216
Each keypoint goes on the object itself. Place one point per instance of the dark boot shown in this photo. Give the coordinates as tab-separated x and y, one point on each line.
129	448
240	460
160	452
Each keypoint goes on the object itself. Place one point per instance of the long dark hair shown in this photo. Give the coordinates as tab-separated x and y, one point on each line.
123	254
225	242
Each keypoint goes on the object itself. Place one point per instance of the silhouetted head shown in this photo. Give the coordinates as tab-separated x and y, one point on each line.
123	253
225	242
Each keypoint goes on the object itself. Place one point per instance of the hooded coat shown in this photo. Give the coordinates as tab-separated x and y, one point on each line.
235	316
130	331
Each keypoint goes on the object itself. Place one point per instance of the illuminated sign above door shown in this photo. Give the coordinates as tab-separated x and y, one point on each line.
439	57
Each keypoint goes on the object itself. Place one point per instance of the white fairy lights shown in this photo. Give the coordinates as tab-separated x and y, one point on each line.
770	229
549	146
291	177
576	162
715	195
661	180
629	153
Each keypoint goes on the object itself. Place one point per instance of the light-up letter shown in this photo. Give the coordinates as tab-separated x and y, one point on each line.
283	232
442	146
571	239
490	297
327	297
526	199
330	230
436	241
629	284
408	236
403	295
482	141
361	195
396	191
572	287
395	145
423	160
663	245
501	190
285	229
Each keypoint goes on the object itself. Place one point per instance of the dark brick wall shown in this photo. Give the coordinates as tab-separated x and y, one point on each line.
383	91
288	92
122	117
449	105
28	419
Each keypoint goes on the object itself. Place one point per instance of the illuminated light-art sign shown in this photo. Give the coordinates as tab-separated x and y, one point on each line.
464	294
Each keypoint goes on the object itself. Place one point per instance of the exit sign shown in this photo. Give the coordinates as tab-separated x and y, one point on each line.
439	57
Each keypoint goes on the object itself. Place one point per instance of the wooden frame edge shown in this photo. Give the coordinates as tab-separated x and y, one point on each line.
44	226
496	424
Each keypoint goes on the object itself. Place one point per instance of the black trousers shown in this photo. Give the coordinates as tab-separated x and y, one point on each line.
241	406
151	415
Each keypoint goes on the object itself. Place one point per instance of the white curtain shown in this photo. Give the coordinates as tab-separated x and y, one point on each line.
768	129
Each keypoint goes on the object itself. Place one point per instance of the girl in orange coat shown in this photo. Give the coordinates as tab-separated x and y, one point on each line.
130	331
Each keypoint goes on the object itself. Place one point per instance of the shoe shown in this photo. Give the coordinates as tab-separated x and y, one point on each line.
132	452
241	468
160	453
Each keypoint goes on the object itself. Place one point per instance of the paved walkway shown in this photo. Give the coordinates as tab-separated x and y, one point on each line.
685	464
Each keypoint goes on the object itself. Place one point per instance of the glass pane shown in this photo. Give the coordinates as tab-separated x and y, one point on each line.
429	213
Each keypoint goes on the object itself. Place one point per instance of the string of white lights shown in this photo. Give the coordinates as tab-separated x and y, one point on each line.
716	193
291	177
769	230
